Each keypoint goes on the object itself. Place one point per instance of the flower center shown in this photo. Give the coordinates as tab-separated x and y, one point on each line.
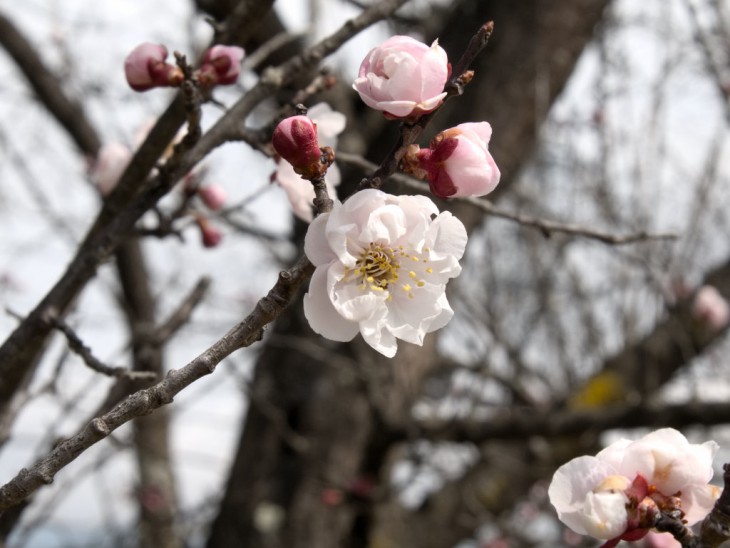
378	268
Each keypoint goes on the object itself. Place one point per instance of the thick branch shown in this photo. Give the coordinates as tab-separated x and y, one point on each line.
145	401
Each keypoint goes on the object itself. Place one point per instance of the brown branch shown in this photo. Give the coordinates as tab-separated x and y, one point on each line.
84	352
48	88
516	424
145	401
182	315
715	527
128	202
546	226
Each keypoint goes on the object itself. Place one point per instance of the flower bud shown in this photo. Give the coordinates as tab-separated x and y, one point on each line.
295	140
403	77
145	68
458	162
210	235
213	196
221	65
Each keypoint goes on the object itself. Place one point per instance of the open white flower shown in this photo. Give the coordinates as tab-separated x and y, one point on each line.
597	495
382	263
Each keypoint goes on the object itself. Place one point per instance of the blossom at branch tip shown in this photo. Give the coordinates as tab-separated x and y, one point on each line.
619	493
710	307
300	193
145	68
382	264
457	162
403	77
295	140
221	65
213	196
108	166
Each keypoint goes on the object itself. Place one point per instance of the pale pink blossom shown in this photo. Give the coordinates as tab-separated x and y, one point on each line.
295	140
111	161
221	65
458	162
382	264
615	494
213	196
145	68
710	307
403	77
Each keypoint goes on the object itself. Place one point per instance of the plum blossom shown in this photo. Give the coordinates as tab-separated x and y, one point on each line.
221	65
403	77
382	264
329	124
710	307
457	162
111	161
213	196
619	493
145	68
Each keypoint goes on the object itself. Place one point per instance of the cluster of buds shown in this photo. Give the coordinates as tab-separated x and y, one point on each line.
146	67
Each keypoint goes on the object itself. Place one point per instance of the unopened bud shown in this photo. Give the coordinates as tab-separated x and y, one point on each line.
221	65
145	68
295	140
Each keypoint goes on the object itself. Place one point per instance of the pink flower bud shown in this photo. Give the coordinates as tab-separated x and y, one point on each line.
110	163
213	196
295	140
458	162
221	65
710	307
145	68
403	77
210	235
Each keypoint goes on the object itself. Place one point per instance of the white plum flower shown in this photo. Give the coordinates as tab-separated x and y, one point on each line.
608	496
382	264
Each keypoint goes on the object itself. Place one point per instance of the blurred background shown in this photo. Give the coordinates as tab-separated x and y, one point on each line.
573	320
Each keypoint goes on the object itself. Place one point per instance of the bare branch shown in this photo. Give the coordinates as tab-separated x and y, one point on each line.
145	401
546	226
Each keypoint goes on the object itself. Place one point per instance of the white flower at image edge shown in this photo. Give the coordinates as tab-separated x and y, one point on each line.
382	263
589	493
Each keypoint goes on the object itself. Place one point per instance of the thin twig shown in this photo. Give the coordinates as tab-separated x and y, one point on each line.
145	401
84	352
546	226
182	315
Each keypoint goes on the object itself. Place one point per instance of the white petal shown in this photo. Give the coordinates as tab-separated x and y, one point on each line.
604	514
570	486
697	501
316	244
321	315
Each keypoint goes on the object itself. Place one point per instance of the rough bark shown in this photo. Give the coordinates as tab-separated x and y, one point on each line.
319	394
